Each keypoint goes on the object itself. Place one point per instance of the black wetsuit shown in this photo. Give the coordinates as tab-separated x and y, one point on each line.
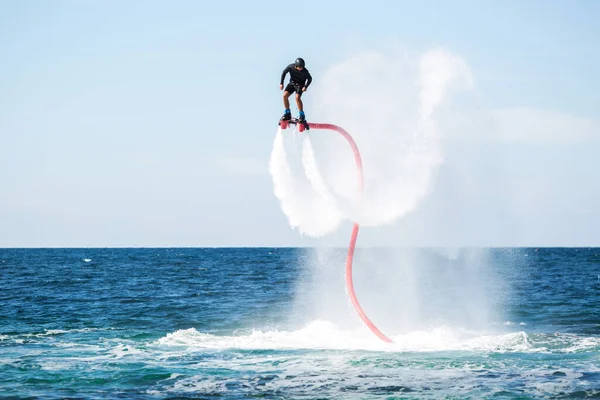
298	79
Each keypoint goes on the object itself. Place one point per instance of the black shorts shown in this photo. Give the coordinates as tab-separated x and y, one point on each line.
291	88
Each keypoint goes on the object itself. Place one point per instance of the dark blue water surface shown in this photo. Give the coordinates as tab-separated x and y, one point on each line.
277	323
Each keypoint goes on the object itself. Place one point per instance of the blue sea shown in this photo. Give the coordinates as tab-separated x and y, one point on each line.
276	323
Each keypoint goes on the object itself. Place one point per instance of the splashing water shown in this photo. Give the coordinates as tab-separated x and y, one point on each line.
306	202
388	103
393	106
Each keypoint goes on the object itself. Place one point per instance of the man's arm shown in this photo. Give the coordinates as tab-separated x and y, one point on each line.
309	78
285	71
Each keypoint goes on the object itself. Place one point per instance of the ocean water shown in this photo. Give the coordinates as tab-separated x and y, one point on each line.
277	323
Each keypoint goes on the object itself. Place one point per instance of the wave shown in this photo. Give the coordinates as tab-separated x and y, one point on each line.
323	335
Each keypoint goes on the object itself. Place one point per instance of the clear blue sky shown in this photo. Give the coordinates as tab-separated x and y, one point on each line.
150	123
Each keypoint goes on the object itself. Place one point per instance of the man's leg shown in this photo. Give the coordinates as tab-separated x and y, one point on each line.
300	106
287	114
299	102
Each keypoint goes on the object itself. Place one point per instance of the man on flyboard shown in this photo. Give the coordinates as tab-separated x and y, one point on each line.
300	79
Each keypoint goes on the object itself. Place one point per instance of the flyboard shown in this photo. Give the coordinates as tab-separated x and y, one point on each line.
304	125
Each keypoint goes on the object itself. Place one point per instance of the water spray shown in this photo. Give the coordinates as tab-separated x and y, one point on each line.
355	228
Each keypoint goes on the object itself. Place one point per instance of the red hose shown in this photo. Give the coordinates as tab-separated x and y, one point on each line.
349	258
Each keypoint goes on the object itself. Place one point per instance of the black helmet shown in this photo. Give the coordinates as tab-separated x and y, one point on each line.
299	62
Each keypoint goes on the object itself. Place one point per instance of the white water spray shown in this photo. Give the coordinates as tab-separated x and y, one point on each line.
395	108
388	103
300	188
